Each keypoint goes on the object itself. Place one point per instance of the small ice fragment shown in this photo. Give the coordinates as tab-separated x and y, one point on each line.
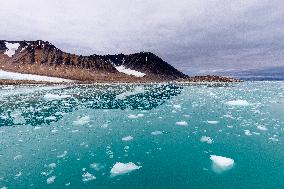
18	157
18	174
237	103
123	168
213	122
82	120
88	177
221	163
96	166
206	139
127	138
262	128
55	96
177	106
247	132
156	133
62	155
50	180
181	123
52	165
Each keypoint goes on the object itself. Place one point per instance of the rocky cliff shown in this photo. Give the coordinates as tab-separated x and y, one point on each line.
43	58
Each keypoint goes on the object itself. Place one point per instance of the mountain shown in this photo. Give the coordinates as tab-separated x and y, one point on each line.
264	74
43	58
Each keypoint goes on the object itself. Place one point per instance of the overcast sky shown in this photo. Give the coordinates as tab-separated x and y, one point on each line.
196	36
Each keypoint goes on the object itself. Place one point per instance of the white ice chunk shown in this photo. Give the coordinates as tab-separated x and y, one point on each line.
262	128
88	177
221	163
50	180
122	168
49	96
156	133
127	138
82	120
182	123
213	122
128	71
237	103
206	139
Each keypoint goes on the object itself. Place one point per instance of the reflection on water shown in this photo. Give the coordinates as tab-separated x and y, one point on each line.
47	106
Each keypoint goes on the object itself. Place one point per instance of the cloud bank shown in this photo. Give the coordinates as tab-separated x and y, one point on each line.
196	36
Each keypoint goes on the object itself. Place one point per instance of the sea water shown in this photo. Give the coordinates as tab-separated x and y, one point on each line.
142	136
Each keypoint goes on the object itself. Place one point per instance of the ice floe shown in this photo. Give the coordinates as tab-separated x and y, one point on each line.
221	163
55	96
182	123
238	103
132	116
206	139
262	128
50	180
156	133
213	122
62	155
127	138
123	168
82	120
247	132
88	177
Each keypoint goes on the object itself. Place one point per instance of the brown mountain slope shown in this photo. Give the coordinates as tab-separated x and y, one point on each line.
43	58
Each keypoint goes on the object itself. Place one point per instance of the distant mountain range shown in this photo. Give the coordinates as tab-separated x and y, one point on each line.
43	58
267	74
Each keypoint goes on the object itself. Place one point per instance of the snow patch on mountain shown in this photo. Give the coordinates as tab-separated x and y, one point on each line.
128	71
12	47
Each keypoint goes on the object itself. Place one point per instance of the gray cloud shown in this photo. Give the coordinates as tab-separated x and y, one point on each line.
197	36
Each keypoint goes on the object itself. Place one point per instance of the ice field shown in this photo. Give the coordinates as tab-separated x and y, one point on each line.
142	136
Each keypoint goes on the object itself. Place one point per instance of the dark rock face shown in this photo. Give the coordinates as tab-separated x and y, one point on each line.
145	62
41	52
44	53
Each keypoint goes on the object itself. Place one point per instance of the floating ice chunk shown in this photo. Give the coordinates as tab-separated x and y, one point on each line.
206	139
176	106
213	122
37	128
82	121
127	138
128	71
4	187
12	47
221	163
18	157
262	128
88	177
137	90
55	96
247	132
50	180
123	168
18	174
156	133
132	116
273	139
96	166
182	123
52	165
237	103
62	155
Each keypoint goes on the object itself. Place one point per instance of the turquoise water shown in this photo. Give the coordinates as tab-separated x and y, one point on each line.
164	136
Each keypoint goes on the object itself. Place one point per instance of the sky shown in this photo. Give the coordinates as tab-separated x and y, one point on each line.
195	36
